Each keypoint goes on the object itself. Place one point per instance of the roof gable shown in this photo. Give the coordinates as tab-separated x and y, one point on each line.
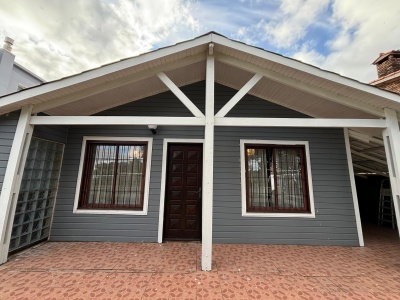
134	78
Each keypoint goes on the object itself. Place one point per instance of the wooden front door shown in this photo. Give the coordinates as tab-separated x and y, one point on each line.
182	220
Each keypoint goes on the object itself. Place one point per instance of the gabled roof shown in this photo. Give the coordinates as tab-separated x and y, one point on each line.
286	81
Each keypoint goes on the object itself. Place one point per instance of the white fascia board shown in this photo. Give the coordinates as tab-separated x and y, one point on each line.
292	63
103	70
115	120
301	122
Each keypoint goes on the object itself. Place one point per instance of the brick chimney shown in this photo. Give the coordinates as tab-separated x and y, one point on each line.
387	63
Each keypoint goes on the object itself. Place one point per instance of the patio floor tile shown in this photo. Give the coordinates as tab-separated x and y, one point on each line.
171	271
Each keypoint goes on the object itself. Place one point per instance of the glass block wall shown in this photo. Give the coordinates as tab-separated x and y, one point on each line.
37	193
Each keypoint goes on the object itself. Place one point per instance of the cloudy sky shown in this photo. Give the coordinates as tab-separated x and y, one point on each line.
58	38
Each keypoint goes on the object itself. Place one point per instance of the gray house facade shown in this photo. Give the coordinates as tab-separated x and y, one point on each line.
209	140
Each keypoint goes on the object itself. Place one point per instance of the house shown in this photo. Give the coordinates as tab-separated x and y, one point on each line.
13	76
209	139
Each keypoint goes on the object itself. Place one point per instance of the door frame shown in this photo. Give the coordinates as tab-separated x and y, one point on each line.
164	178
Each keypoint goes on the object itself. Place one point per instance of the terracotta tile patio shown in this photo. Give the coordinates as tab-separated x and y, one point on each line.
172	271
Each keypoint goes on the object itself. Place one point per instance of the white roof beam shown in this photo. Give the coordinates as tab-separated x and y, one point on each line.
300	122
370	170
115	120
239	95
180	95
369	157
116	83
364	138
340	99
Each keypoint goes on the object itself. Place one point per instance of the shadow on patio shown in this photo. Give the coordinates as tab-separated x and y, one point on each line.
172	271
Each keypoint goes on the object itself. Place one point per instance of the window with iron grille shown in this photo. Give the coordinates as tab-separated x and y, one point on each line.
276	178
114	175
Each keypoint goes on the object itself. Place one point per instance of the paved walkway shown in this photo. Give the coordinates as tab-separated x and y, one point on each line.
172	271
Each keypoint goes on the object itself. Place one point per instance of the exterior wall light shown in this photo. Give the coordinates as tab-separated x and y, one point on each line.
153	128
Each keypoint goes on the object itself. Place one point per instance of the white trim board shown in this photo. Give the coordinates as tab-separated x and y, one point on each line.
149	141
164	179
353	187
311	214
116	120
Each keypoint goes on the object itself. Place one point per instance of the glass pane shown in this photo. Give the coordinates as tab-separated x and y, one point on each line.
289	178
128	187
102	176
260	178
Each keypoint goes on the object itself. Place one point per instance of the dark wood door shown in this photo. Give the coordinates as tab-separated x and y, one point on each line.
182	220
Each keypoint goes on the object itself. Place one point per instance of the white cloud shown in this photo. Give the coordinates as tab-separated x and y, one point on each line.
291	24
365	30
58	38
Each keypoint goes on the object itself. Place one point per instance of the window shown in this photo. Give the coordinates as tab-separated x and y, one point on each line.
114	175
276	179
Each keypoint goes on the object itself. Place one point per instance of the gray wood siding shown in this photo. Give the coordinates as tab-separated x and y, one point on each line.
8	125
335	221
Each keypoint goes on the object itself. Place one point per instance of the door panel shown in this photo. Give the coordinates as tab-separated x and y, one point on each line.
182	220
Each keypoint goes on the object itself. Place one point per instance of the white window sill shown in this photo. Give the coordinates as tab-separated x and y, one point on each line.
109	212
279	215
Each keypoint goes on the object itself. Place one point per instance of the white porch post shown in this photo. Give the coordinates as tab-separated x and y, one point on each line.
353	187
391	138
208	170
12	179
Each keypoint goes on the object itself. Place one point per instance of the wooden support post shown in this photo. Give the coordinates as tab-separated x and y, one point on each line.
12	179
391	139
208	170
353	188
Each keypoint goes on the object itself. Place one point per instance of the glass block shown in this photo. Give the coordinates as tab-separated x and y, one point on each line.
36	225
28	217
39	214
35	236
23	197
44	233
25	228
30	206
16	231
18	219
37	193
49	202
23	241
13	244
40	204
20	207
46	222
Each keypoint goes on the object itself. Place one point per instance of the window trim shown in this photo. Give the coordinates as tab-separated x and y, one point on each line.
144	211
267	214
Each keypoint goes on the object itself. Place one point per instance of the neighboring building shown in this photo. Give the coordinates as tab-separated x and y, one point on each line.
13	76
250	147
388	67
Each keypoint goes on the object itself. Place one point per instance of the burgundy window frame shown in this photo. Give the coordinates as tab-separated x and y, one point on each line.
88	169
306	195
